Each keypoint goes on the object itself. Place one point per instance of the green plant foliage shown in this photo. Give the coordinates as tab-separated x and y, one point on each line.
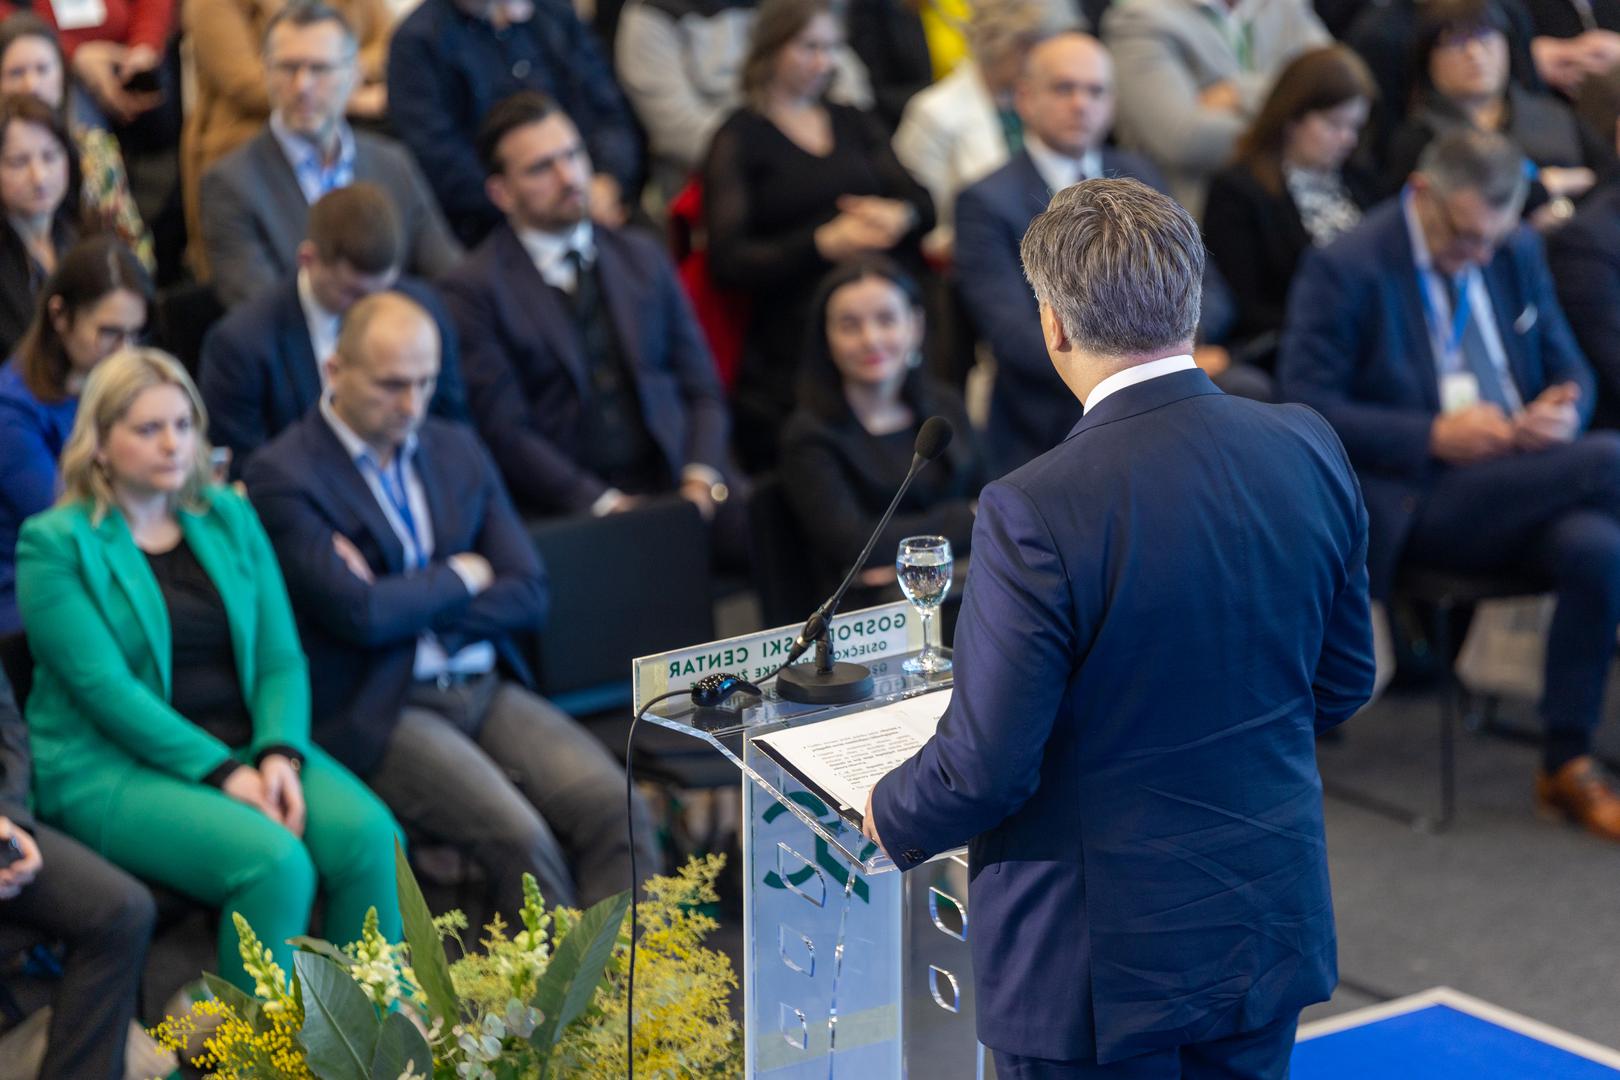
432	969
575	971
340	1025
401	1051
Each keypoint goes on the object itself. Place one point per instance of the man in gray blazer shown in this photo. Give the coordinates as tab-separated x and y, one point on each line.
1193	74
256	200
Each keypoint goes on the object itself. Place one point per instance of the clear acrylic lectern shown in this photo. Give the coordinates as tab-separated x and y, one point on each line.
850	969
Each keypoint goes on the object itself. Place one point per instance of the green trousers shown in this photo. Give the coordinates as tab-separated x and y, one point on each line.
197	840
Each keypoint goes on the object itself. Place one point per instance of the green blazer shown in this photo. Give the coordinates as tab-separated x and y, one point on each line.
99	632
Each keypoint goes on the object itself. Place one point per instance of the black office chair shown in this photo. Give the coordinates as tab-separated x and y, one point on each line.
782	576
1446	594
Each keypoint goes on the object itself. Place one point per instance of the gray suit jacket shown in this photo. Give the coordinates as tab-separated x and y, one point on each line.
254	214
1166	52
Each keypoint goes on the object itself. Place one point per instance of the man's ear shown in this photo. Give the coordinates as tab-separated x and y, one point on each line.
1057	339
495	188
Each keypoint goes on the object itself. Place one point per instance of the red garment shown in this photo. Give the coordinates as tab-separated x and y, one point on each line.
722	313
128	22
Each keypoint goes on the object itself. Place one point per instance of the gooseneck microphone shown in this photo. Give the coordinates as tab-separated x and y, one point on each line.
836	683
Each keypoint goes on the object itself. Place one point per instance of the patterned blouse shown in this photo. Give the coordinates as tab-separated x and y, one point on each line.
106	196
1325	206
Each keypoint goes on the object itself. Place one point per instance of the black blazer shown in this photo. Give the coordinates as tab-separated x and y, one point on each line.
888	37
259	371
1584	257
526	369
361	638
18	294
838	481
15	775
1256	238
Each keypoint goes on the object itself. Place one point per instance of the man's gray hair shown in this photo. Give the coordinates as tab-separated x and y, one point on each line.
302	13
1121	265
1482	161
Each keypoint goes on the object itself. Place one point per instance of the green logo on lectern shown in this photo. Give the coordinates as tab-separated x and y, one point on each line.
841	875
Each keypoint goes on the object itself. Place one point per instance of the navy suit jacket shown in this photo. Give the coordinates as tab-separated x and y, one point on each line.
1030	408
260	372
527	374
447	68
1584	256
361	638
1355	347
1164	612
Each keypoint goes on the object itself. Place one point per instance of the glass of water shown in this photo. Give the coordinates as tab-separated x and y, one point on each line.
923	565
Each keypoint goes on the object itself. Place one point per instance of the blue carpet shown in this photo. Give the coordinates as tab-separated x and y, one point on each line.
1438	1043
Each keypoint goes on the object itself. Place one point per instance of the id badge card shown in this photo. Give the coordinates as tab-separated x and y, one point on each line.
1458	390
78	14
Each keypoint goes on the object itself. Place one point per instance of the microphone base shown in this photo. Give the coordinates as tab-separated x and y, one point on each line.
843	685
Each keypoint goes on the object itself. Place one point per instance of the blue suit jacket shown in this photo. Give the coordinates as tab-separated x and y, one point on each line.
1355	347
260	372
1030	408
1163	613
447	68
361	638
527	373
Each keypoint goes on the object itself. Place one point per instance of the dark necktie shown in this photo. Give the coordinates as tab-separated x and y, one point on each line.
1476	357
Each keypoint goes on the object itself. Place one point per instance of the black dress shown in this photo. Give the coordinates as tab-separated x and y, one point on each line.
205	686
764	198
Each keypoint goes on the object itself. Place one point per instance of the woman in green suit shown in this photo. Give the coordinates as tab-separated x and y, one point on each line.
170	709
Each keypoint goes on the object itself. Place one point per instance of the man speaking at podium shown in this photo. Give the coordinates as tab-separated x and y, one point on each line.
1164	612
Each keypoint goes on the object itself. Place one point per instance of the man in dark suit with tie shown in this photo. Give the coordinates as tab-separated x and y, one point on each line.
586	371
412	579
1065	100
262	363
1165	610
255	201
1432	340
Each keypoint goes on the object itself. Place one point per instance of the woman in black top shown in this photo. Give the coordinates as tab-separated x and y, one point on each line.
1290	187
1460	69
862	399
39	193
792	185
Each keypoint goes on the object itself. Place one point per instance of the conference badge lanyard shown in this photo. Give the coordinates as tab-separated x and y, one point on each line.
1459	387
399	499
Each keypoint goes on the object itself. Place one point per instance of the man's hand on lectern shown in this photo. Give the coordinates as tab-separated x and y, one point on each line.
869	827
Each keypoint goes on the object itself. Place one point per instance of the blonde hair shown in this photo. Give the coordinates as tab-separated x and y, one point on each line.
1000	27
111	389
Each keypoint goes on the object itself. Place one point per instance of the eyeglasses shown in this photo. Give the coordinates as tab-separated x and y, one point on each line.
1473	239
117	336
319	70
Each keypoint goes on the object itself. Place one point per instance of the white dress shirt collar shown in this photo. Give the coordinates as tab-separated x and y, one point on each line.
322	325
1137	373
1058	170
550	251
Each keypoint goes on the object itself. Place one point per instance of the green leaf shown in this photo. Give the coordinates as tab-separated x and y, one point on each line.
427	951
322	948
575	972
400	1045
243	1004
340	1023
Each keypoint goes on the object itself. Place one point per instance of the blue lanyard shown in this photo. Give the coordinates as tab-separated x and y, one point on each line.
1459	317
393	485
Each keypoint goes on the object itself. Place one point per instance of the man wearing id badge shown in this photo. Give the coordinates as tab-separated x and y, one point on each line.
1432	340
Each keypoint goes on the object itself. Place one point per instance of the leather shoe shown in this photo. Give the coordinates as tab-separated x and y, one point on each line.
1579	792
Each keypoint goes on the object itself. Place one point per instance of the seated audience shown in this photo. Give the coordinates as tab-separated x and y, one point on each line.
1463	418
1065	99
963	128
792	185
70	894
1585	259
39	195
1291	188
230	103
414	581
170	707
31	62
1193	73
256	199
679	64
452	60
108	45
863	397
587	372
263	363
96	303
1460	63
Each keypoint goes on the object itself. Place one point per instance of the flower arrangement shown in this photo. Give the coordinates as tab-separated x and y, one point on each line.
546	1000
